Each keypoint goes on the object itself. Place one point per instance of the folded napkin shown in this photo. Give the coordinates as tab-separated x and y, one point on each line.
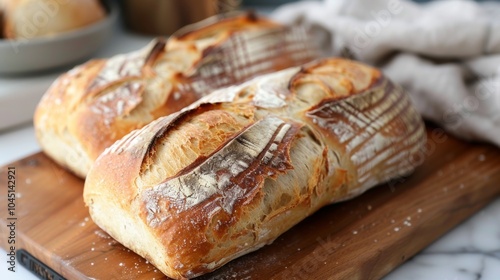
445	53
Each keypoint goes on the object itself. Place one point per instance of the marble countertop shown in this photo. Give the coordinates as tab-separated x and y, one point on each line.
471	251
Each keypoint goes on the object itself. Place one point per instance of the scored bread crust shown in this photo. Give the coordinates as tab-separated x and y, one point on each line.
230	173
90	107
29	19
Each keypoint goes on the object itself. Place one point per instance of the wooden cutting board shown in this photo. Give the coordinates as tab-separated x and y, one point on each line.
364	238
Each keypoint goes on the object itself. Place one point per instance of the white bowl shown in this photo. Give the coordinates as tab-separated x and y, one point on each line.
23	56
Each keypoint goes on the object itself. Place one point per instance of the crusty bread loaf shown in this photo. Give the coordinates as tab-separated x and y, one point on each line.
28	19
89	108
230	173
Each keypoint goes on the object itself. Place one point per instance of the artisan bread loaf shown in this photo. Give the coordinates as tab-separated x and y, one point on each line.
90	107
28	19
230	173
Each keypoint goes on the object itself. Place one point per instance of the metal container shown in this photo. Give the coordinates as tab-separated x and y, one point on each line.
163	17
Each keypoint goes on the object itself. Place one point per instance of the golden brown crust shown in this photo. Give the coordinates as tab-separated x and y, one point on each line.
98	103
28	19
214	26
233	171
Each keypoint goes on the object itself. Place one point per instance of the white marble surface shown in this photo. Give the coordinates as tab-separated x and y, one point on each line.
469	252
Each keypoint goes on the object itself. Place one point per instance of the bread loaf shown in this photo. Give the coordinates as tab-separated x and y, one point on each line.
230	173
90	107
28	19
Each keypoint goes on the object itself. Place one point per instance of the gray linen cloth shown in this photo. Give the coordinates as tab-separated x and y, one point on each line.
445	53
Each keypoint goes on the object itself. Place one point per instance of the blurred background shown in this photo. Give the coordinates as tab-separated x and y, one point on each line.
279	2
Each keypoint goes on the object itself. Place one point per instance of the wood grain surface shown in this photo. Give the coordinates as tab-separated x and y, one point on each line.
364	238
